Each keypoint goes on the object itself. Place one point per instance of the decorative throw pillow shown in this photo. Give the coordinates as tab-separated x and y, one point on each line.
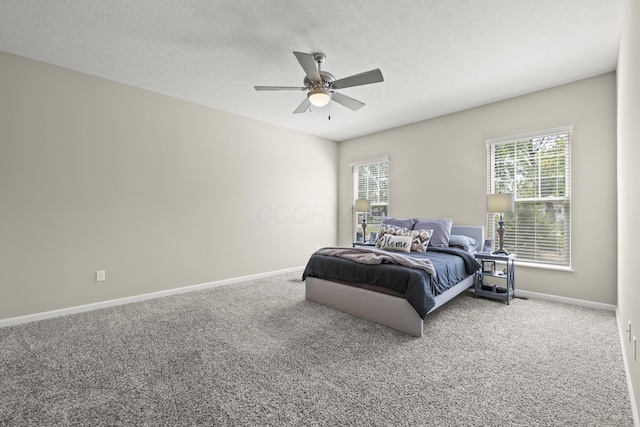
391	230
420	240
395	243
396	222
441	230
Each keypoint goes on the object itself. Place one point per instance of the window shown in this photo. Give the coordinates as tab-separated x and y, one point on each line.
371	182
537	169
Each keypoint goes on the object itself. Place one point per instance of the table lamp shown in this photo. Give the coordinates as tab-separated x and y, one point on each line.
501	203
363	206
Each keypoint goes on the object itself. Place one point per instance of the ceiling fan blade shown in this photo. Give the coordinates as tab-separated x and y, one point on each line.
352	104
279	88
368	77
302	107
308	65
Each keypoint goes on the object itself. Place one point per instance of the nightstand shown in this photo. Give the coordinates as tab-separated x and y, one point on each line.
354	244
492	267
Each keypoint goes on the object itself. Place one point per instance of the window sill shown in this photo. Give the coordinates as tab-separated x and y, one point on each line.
543	266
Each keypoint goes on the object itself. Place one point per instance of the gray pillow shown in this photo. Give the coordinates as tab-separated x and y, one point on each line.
441	230
467	243
400	222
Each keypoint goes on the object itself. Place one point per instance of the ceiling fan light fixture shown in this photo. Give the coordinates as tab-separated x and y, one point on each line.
319	97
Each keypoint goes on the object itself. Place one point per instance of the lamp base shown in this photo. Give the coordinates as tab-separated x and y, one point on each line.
501	230
500	252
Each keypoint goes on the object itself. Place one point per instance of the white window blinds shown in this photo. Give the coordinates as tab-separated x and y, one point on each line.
371	182
537	169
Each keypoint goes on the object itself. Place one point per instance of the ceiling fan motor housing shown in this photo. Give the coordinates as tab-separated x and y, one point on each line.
326	78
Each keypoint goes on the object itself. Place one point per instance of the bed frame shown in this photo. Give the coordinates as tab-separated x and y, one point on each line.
388	310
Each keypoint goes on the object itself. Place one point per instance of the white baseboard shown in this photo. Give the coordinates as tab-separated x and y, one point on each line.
565	300
126	300
634	408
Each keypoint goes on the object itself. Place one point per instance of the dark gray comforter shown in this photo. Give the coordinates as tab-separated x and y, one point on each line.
452	265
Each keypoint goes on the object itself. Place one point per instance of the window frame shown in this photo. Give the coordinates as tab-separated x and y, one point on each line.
379	203
542	254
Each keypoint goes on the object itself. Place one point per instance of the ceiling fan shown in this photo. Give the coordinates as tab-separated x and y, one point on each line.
321	85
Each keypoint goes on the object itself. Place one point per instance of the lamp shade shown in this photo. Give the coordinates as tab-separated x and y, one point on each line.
319	97
363	205
501	203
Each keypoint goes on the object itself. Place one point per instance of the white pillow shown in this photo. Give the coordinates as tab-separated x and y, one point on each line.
395	243
391	229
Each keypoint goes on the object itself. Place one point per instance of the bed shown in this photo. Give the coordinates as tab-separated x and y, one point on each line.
390	294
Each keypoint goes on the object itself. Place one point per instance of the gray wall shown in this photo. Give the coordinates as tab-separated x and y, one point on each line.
160	193
438	169
629	186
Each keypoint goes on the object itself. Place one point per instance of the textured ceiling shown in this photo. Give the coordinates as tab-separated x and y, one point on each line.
437	56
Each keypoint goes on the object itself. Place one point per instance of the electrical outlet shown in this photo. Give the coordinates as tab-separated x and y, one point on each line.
629	330
101	276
